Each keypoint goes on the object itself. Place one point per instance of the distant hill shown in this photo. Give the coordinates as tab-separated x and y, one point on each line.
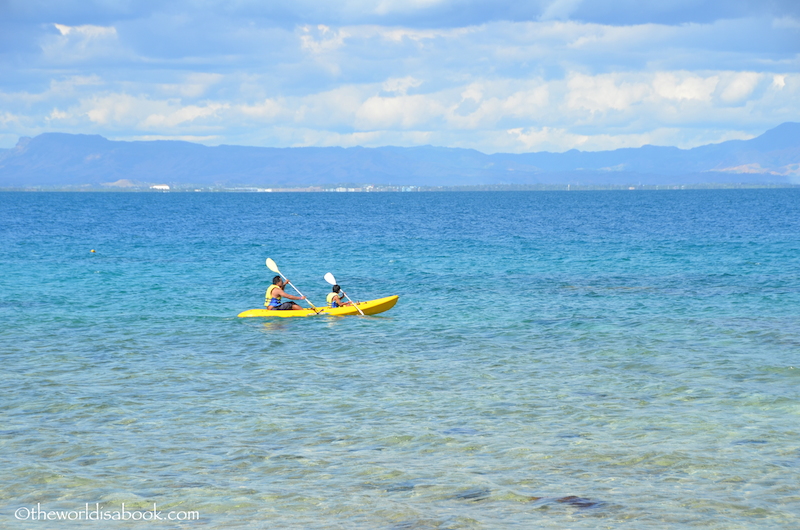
58	160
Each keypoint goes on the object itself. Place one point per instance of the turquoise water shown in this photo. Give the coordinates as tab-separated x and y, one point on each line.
556	359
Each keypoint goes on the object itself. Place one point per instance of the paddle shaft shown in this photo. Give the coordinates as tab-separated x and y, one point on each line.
356	306
298	290
331	280
271	265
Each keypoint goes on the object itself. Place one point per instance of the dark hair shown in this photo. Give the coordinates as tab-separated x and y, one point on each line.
336	288
276	280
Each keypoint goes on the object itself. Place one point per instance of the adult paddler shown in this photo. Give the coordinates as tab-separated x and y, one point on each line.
275	293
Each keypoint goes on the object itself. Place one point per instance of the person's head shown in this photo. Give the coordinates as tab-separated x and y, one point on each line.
276	280
336	289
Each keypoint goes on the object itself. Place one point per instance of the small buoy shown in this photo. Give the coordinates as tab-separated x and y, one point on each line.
92	250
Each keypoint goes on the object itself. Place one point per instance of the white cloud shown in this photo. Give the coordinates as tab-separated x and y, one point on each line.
331	108
398	35
378	138
268	109
560	9
58	115
401	85
621	92
6	119
385	7
212	139
321	39
363	108
121	110
401	111
739	86
90	32
193	85
604	92
323	138
559	140
81	44
114	109
684	86
547	139
182	114
67	88
73	84
474	92
486	104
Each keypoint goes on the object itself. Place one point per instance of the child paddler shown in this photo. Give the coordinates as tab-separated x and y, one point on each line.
335	297
275	293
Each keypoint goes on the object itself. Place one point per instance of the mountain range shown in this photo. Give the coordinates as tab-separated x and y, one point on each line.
54	160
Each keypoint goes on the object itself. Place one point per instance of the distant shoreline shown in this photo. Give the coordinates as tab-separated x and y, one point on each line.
68	162
392	189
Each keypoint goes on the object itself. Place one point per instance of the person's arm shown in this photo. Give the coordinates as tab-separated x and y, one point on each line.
283	293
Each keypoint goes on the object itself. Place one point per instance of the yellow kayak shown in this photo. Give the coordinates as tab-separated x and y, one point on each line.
371	307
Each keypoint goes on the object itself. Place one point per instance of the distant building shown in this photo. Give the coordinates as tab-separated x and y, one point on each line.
162	187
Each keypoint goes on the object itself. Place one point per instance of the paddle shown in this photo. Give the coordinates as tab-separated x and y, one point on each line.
331	280
271	265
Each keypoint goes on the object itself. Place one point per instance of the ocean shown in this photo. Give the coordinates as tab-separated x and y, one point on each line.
566	360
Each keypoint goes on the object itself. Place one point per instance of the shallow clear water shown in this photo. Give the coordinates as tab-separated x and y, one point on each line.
556	359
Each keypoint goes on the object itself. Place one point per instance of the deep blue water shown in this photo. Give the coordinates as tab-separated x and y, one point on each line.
619	359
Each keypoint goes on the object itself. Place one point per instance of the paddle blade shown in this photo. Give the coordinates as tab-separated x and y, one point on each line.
330	279
271	265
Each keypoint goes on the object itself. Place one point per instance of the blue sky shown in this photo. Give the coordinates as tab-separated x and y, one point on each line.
492	75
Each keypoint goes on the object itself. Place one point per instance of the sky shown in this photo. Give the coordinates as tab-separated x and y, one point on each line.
492	75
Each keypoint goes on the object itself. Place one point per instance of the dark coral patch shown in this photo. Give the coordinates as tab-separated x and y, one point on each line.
578	502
